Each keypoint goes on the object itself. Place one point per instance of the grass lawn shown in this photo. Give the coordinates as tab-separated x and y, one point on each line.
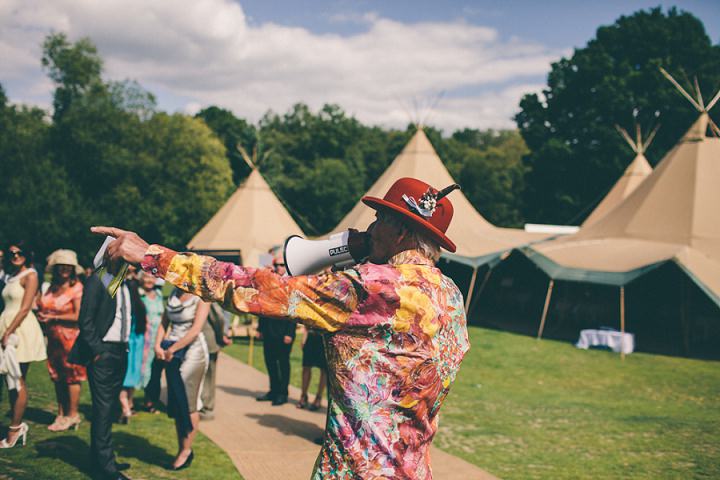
527	409
147	443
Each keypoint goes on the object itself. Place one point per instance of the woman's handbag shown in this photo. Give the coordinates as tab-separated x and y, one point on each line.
180	354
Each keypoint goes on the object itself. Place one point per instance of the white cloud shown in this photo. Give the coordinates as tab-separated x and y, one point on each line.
192	108
205	52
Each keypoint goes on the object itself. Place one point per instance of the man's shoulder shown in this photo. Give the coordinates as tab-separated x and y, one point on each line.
94	287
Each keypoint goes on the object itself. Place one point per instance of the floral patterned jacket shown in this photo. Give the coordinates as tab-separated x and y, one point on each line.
397	337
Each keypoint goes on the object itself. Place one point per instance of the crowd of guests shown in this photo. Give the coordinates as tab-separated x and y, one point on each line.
117	345
124	344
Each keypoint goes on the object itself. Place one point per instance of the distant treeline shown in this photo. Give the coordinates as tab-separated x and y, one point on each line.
107	155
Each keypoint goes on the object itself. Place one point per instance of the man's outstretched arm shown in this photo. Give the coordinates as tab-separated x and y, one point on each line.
323	301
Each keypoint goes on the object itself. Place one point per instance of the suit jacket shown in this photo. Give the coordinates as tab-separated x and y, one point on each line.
97	312
214	328
275	329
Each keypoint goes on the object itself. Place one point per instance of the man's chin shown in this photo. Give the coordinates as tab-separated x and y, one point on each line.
377	260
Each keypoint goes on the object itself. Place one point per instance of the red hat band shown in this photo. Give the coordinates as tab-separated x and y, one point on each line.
426	208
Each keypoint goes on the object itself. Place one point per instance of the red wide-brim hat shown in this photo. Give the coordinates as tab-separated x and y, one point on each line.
409	197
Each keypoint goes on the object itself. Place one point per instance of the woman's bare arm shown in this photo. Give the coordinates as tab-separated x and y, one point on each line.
30	284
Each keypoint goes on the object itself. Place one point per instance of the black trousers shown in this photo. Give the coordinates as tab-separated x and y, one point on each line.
208	390
105	376
152	390
277	361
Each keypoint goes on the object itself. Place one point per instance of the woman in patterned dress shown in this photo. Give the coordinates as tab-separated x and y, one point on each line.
58	309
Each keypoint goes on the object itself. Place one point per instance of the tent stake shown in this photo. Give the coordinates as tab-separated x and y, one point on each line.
545	308
470	290
622	322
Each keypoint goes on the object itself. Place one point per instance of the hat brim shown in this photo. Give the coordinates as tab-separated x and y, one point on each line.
434	233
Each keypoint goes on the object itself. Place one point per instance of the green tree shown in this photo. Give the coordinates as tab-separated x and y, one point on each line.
74	68
233	132
184	179
493	173
488	165
162	175
576	155
37	201
318	163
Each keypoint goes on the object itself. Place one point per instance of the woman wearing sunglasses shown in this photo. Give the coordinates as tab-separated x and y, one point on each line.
20	330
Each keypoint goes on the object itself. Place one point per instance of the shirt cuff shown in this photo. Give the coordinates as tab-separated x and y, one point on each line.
157	260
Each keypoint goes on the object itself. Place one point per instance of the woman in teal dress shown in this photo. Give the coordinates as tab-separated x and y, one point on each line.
155	307
136	344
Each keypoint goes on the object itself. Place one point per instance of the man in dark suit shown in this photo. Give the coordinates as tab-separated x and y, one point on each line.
278	337
102	346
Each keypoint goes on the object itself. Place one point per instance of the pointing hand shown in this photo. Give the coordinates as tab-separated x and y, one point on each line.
128	246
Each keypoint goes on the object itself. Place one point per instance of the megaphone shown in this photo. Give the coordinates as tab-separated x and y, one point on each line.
303	257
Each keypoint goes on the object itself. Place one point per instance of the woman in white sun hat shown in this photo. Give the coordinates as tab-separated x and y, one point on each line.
58	309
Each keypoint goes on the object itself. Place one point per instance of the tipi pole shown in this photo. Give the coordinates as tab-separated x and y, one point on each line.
545	308
622	322
470	290
484	282
479	291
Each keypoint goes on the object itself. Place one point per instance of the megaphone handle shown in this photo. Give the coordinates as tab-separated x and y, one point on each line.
358	244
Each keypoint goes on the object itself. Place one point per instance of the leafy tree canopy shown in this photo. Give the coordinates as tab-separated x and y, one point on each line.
107	157
235	133
576	154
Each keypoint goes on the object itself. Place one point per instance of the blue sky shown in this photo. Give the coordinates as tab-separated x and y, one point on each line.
384	62
559	24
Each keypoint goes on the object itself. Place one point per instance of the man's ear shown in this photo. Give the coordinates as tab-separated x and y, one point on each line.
402	234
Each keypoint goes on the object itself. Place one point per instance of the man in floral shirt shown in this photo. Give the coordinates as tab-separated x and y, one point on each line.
397	328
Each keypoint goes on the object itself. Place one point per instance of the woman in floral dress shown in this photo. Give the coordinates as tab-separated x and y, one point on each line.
58	309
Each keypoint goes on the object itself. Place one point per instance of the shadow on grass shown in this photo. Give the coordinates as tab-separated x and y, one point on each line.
75	451
289	426
67	448
38	415
133	446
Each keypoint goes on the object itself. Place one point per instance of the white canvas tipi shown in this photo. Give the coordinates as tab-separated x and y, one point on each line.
634	174
672	216
252	221
477	240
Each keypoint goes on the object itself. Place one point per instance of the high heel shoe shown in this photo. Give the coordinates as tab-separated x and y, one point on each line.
68	423
303	401
22	430
316	405
58	424
125	418
188	461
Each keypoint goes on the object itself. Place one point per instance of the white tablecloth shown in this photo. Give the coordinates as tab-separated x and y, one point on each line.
616	341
